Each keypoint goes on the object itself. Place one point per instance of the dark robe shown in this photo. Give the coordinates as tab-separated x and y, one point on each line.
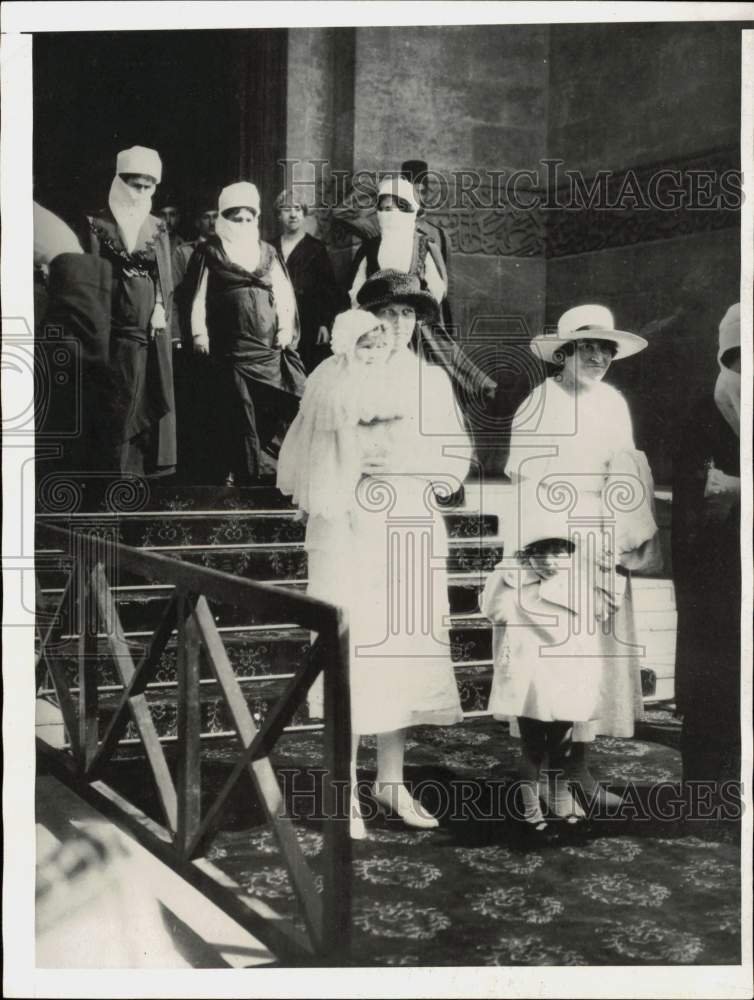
318	297
258	383
707	576
144	363
80	400
432	341
438	238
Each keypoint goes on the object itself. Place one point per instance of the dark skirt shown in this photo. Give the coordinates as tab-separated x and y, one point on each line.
148	435
253	419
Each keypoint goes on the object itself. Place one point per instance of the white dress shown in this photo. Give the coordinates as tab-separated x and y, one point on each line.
565	443
385	561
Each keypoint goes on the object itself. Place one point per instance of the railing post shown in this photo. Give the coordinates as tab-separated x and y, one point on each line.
336	914
86	626
189	727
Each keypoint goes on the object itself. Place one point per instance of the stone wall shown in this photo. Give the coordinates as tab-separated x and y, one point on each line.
628	94
621	98
463	98
642	96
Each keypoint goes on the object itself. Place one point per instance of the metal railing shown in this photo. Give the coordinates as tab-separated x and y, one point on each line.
185	831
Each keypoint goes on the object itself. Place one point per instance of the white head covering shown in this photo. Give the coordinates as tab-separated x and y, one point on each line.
349	326
242	194
728	385
320	459
240	240
399	187
130	207
587	322
140	160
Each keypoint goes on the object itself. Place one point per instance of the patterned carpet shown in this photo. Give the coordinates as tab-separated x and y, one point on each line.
633	890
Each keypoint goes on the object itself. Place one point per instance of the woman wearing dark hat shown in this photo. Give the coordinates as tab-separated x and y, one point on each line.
572	440
419	311
398	299
362	458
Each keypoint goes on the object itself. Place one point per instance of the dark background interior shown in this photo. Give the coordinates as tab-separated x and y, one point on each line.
211	102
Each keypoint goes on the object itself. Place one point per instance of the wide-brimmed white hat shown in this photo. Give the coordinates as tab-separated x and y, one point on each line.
139	160
242	194
589	322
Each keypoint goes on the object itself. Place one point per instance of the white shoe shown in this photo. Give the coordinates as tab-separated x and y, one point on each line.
560	802
396	798
357	829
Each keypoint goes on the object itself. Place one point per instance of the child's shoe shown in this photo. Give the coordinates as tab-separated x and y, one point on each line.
534	830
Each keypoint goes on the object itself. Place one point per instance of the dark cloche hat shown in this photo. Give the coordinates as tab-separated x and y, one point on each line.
389	286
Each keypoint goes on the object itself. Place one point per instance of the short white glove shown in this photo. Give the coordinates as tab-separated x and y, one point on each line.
158	322
201	344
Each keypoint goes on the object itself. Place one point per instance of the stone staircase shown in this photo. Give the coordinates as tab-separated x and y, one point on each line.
255	534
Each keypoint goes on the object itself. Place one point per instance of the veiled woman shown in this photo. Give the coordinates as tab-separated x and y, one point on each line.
403	247
243	312
138	248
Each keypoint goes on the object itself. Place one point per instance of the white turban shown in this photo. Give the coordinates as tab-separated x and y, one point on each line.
399	187
139	160
239	195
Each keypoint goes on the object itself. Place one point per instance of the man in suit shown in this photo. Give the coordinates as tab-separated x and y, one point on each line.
170	213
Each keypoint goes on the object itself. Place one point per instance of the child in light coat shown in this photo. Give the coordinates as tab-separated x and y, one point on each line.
548	603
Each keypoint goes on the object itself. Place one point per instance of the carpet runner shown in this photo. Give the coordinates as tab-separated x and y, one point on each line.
629	892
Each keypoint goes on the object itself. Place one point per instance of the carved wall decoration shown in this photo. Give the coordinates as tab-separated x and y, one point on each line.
583	215
657	202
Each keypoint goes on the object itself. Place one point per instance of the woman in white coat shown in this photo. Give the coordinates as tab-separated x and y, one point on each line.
572	441
362	459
